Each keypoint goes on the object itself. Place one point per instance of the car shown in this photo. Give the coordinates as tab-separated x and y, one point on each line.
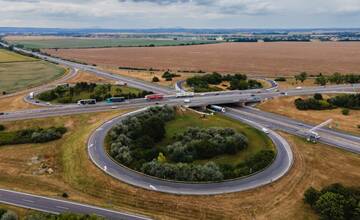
265	130
187	100
2	113
299	87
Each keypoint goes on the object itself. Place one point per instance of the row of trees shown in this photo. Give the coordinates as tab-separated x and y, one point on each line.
201	143
10	215
337	78
237	81
351	101
183	171
100	92
334	202
32	135
132	141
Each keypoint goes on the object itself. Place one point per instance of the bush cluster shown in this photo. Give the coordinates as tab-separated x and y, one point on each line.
168	75
100	92
334	202
183	171
32	135
337	78
66	216
198	143
7	215
132	141
351	101
280	79
237	81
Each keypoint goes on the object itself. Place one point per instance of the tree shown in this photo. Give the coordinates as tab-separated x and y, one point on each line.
318	96
2	127
311	195
9	215
161	158
345	111
330	206
301	77
321	80
155	79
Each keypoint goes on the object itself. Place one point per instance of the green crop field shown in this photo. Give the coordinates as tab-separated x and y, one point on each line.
257	140
101	42
19	72
9	57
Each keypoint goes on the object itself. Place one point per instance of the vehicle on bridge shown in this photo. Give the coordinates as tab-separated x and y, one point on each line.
185	94
154	97
31	95
87	102
115	99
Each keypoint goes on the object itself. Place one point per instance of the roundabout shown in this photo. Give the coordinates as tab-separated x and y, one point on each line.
99	156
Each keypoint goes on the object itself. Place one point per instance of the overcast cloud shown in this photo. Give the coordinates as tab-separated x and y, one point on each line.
180	13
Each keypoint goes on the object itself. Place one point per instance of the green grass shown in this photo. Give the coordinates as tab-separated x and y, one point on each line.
101	42
21	75
257	140
10	57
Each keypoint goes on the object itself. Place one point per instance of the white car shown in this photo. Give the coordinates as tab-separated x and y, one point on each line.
299	87
187	100
265	130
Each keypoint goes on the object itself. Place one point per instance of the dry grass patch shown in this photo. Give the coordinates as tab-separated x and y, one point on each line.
88	77
270	59
149	75
285	106
15	103
316	165
291	83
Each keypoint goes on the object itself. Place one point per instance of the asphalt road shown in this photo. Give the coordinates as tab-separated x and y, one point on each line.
272	121
57	206
275	171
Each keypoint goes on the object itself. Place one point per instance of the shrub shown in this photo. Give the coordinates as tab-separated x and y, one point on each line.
9	215
345	111
65	195
334	202
318	96
2	127
155	79
280	79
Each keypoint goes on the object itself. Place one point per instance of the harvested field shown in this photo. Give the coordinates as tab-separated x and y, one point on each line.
270	59
88	77
315	165
285	106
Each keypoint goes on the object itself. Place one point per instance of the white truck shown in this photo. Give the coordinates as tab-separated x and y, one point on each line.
217	108
31	95
184	94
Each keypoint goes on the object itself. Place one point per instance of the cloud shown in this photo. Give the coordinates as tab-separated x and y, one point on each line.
185	13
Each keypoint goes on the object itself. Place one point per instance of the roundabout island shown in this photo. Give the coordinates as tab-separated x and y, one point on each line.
179	151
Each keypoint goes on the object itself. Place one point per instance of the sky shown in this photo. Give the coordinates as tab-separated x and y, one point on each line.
180	13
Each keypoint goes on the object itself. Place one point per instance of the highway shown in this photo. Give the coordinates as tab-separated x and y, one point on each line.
57	206
255	118
272	121
276	170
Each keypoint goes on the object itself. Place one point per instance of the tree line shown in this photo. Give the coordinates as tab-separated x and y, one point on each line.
334	202
31	135
100	92
317	102
237	82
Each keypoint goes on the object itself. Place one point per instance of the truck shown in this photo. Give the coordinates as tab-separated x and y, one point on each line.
184	94
115	99
31	95
217	108
154	97
87	102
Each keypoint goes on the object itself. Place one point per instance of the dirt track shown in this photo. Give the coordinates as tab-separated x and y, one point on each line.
258	58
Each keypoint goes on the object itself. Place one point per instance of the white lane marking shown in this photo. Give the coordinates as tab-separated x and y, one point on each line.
62	207
27	200
152	187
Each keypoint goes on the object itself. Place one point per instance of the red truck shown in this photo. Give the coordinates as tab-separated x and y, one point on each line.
154	97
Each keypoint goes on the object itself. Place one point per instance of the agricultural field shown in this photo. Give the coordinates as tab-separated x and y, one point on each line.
19	72
285	106
72	42
10	57
315	165
265	59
